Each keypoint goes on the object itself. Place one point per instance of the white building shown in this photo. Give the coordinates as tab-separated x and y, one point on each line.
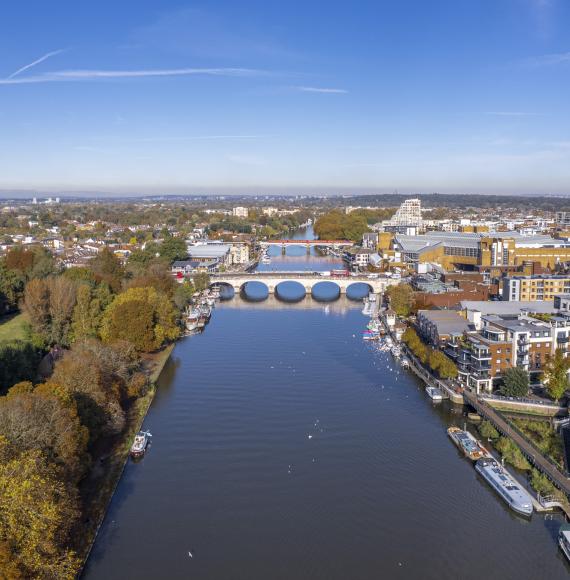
241	212
408	214
239	254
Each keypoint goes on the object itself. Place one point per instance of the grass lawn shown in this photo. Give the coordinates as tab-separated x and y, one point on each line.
13	328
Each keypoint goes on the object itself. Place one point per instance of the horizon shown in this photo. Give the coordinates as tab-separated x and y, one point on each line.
203	98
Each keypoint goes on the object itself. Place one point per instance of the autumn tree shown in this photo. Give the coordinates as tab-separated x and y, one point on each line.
97	376
401	299
338	225
155	275
49	304
442	365
141	316
556	374
88	312
107	268
37	514
45	418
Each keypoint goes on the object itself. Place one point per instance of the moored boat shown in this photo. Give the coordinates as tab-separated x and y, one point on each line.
517	498
434	394
564	539
467	443
142	439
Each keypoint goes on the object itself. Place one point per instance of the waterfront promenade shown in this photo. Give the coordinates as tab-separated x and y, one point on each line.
530	452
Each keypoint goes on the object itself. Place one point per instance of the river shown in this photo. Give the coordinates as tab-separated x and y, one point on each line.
285	447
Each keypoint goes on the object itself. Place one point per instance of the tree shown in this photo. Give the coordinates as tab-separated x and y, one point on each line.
442	365
155	274
201	281
556	374
336	224
97	377
107	268
173	249
512	454
88	311
46	419
49	304
19	361
488	431
183	295
401	299
37	514
141	316
515	382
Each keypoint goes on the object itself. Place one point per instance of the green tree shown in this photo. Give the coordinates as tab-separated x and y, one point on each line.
556	374
512	454
515	382
18	362
183	295
488	431
201	281
173	249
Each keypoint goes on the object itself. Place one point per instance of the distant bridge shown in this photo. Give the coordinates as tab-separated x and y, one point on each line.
307	279
307	243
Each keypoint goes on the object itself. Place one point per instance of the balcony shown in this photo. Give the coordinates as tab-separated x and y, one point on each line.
481	354
562	339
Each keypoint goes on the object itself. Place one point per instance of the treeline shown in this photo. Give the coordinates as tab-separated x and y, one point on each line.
438	362
96	322
338	225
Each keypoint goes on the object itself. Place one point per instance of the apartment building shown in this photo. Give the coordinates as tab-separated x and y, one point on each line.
241	212
505	342
537	287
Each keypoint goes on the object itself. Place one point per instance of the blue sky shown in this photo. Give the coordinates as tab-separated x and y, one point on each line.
171	96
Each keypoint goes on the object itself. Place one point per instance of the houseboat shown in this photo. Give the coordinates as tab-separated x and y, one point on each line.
517	498
467	444
140	444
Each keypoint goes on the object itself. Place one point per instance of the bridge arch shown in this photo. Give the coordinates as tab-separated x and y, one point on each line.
329	288
295	286
369	287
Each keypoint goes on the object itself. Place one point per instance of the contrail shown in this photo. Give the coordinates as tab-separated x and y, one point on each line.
38	61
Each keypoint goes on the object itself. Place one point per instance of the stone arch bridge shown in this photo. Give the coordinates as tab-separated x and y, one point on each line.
307	279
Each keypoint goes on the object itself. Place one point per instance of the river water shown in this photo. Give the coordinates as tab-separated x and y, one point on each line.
285	447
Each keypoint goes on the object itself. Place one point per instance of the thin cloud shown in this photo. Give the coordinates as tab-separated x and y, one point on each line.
36	62
548	59
509	114
87	75
324	90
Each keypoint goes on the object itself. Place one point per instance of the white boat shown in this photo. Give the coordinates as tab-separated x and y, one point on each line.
405	362
434	394
396	352
517	498
371	297
266	260
142	439
564	539
193	319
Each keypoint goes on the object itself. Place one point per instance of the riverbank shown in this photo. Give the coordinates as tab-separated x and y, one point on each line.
108	465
